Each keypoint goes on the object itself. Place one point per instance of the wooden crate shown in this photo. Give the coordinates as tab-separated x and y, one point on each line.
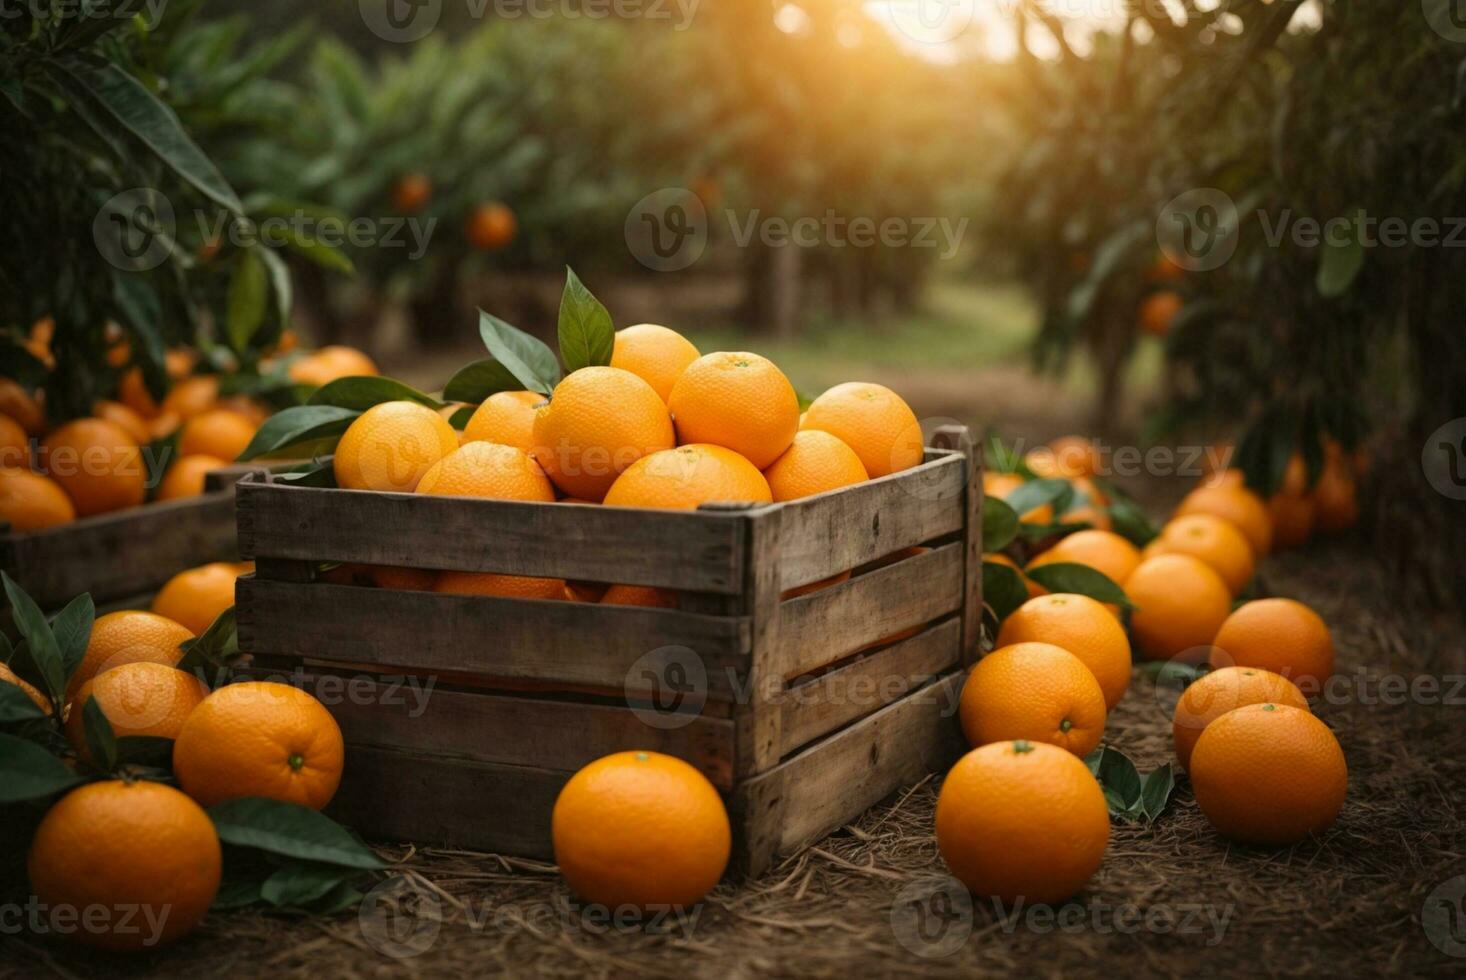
803	711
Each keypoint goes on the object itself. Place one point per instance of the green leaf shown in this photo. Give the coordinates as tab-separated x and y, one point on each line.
339	899
216	649
101	739
479	380
1168	673
29	772
317	473
140	113
1118	778
1036	493
312	249
72	628
527	358
1131	522
39	639
248	296
138	306
1341	261
587	334
237	893
298	885
999	524
361	393
289	830
16	705
462	417
1156	793
295	426
1002	589
1068	576
7	652
280	288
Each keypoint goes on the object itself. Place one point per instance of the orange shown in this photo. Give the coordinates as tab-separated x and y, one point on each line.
1180	603
133	392
640	595
32	502
179	362
218	432
194	598
15	445
125	637
1097	518
138	699
586	591
1220	691
331	364
131	422
640	829
1034	589
185	478
490	226
21	406
259	739
1067	456
1158	311
1081	626
737	400
97	463
391	445
411	192
1335	503
1002	485
8	676
140	850
1281	635
1233	502
494	584
1104	551
687	477
487	469
192	396
1087	492
872	420
505	417
1034	691
1165	269
251	408
1292	518
163	426
654	354
816	462
1269	774
1215	541
599	421
1022	821
403	578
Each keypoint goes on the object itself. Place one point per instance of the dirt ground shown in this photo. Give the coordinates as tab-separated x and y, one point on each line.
1380	892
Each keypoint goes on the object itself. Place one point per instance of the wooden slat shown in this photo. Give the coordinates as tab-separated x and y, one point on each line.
123	553
571	643
821	627
959	439
415	714
699	551
828	784
814	709
835	532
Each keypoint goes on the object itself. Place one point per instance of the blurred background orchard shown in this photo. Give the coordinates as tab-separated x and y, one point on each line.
1035	216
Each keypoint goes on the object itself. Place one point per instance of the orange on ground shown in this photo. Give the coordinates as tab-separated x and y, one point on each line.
687	477
1158	311
131	422
138	699
136	846
133	392
505	586
816	462
1233	502
737	400
640	595
505	417
1281	635
194	598
1215	541
640	829
1335	502
1105	551
97	463
872	420
1083	627
8	676
1035	691
32	502
1218	692
192	396
185	478
391	445
487	469
22	406
599	421
219	432
654	354
125	637
1022	821
1269	774
1180	603
259	739
490	226
1034	589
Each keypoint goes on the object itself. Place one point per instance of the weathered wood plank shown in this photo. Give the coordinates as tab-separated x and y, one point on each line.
958	438
818	707
757	715
615	649
821	627
700	551
834	532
